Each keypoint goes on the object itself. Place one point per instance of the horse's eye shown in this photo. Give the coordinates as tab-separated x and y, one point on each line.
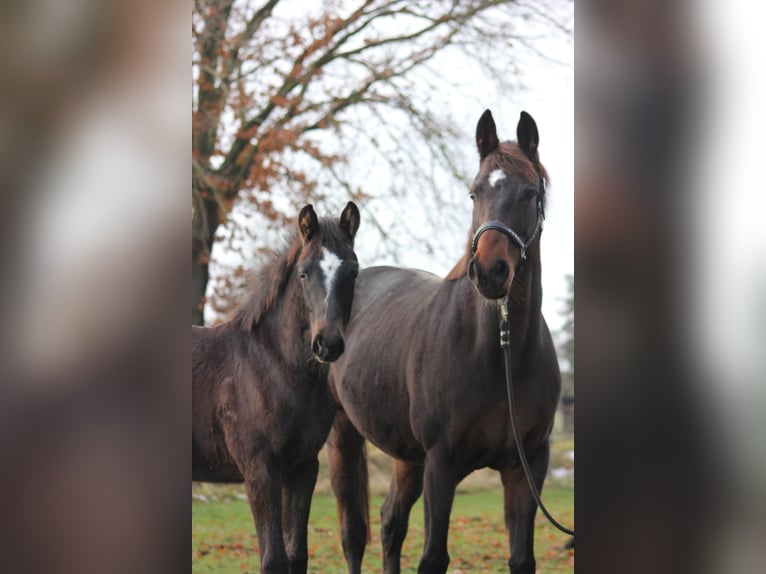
530	194
302	275
472	195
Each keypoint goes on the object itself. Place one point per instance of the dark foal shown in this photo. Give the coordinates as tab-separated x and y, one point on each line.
422	376
261	406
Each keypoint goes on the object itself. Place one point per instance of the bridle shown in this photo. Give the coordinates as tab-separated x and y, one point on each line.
496	225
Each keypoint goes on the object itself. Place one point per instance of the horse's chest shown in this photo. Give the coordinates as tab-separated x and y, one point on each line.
303	419
290	415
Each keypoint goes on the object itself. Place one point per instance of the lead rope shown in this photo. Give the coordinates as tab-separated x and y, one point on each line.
505	344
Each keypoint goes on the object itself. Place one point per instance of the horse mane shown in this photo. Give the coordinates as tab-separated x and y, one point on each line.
270	280
509	157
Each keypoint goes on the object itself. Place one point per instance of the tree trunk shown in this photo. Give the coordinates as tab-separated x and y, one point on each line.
200	276
205	222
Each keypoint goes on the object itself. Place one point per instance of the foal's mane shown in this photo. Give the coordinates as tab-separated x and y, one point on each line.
270	281
509	157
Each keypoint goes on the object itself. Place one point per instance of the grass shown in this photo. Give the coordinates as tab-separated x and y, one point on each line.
224	542
223	536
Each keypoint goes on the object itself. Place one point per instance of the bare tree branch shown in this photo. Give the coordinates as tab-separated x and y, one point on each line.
276	98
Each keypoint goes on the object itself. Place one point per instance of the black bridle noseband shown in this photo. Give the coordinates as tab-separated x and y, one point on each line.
496	225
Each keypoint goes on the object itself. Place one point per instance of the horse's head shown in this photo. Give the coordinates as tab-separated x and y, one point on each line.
508	199
327	268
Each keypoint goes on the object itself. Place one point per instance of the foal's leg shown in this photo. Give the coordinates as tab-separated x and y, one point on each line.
439	482
296	503
520	509
406	486
263	484
348	474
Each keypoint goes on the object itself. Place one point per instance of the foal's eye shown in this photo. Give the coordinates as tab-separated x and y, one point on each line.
530	194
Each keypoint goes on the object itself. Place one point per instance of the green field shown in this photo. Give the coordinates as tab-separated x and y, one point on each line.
223	537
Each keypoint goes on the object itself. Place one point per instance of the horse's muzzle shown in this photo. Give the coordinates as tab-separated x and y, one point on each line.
491	281
328	348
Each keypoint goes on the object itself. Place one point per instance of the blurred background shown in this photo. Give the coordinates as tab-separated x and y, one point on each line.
669	253
95	405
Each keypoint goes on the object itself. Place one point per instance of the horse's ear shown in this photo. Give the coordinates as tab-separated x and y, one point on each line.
308	224
486	135
349	219
527	136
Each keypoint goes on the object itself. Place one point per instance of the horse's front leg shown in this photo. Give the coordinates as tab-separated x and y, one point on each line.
439	481
263	483
520	509
296	504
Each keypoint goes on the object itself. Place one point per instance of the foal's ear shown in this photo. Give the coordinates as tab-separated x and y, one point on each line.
486	135
308	224
527	136
349	219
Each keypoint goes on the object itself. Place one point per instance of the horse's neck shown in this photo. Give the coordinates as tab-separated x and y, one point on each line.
286	325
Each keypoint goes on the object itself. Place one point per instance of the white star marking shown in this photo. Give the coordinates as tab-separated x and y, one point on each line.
496	176
330	263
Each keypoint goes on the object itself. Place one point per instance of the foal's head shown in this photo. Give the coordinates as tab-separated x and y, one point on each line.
327	268
509	190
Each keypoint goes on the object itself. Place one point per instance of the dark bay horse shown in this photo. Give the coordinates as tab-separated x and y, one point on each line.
261	407
422	376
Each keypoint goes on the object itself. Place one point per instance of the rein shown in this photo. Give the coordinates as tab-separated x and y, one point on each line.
505	339
505	345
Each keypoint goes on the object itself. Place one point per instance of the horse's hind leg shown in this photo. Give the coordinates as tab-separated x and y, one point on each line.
520	509
296	503
439	481
348	474
264	492
406	486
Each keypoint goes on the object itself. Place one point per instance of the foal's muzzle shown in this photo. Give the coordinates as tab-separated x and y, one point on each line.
328	348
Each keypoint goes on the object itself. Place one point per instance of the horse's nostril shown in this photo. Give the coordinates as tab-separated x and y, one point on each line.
472	269
328	349
500	271
317	345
